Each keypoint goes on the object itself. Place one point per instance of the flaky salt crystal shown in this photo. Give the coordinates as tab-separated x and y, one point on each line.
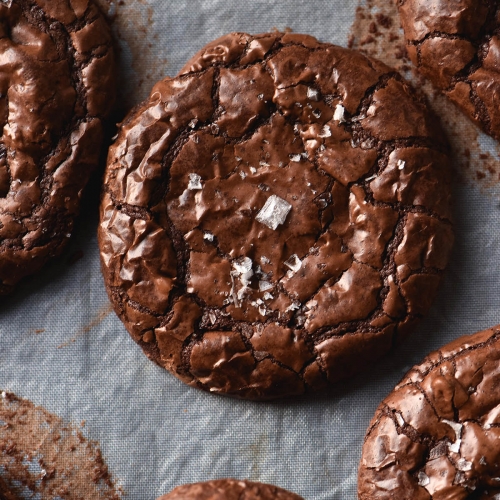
208	236
267	296
296	158
253	170
400	419
312	94
464	465
243	265
194	182
339	113
401	164
293	262
325	132
264	260
423	479
274	212
264	285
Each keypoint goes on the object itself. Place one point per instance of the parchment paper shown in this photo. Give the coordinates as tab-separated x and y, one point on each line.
62	347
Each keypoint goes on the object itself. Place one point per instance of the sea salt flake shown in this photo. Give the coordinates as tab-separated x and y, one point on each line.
260	97
326	131
339	113
312	94
482	460
423	479
457	427
253	170
264	164
401	164
193	123
316	113
213	317
208	236
274	212
455	447
295	157
243	265
400	419
242	174
268	296
194	182
293	307
7	3
370	178
264	260
262	311
245	290
293	262
265	285
464	465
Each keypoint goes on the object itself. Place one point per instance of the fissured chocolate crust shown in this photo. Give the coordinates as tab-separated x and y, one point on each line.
456	44
437	434
275	217
56	86
229	489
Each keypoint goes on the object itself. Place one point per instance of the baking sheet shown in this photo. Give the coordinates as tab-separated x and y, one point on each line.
63	348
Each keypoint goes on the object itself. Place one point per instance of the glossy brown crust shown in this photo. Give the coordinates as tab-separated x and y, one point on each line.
456	44
56	86
229	489
437	435
223	297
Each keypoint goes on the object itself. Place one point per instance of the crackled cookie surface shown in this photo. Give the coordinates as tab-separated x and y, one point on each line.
56	85
229	489
456	45
437	435
274	217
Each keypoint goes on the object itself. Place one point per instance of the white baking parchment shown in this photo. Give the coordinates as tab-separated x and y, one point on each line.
62	347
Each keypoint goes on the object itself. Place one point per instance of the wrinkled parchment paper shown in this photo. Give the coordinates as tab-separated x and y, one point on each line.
62	347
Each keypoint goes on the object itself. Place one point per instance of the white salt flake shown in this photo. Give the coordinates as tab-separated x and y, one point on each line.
264	260
262	311
339	113
208	236
295	157
264	164
457	427
423	479
482	460
193	123
268	296
253	170
401	164
326	131
260	97
213	317
4	394
245	290
400	419
370	178
464	465
7	3
274	212
194	182
293	307
293	262
243	265
455	447
242	174
264	285
312	94
259	302
316	113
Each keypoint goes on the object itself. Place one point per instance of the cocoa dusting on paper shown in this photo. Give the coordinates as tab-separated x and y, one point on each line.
41	456
132	24
102	313
376	31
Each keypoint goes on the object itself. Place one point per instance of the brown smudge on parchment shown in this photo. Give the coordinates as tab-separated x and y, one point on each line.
376	31
141	63
41	456
102	313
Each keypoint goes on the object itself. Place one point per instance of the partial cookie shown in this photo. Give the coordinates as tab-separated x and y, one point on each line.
456	45
56	87
275	217
437	435
229	489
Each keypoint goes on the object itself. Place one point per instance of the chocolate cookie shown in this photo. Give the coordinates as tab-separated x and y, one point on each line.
56	86
437	434
276	216
456	44
229	489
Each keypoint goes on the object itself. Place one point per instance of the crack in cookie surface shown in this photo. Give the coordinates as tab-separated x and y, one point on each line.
295	201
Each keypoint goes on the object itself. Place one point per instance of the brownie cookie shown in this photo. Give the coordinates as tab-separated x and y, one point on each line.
437	434
56	86
229	489
456	44
274	217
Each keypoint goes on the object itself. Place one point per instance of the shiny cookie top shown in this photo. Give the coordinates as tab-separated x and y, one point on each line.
275	216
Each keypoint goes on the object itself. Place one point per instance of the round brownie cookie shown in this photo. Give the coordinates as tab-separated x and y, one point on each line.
56	86
437	434
456	44
274	217
229	489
